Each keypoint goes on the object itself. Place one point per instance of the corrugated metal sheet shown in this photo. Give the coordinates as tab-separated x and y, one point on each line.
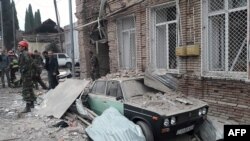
163	82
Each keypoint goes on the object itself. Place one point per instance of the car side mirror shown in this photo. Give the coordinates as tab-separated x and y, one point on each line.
119	97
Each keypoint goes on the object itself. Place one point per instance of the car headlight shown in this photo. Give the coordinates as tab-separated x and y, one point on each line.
200	112
204	111
173	121
166	122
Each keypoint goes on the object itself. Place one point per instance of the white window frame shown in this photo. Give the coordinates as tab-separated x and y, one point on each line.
205	72
119	42
152	34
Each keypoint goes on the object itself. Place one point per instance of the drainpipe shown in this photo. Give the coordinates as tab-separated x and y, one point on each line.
72	39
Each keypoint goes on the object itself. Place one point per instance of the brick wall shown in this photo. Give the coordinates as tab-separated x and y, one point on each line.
228	99
139	12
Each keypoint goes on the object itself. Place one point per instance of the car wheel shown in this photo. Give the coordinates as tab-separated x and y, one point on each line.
68	65
146	131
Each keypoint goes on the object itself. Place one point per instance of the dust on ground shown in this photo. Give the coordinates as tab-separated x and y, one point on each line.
30	127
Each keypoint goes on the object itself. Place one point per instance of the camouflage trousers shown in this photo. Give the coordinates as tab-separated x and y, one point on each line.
27	91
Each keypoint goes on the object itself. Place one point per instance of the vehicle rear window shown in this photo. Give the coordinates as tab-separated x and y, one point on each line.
61	56
99	87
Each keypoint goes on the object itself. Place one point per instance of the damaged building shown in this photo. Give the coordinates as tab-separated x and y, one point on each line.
203	42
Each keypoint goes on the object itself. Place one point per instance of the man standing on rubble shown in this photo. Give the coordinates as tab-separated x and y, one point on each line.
94	72
52	68
25	63
4	68
38	63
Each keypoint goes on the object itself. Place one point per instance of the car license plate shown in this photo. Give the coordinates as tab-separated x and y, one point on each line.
185	130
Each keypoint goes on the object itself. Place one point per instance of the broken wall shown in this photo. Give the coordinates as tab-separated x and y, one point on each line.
229	99
86	11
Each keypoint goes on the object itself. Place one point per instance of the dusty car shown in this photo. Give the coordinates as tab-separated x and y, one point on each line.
160	116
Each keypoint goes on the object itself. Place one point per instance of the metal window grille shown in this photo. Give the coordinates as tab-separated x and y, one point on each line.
227	37
127	44
165	37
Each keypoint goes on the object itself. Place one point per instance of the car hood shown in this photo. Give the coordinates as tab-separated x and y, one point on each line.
166	104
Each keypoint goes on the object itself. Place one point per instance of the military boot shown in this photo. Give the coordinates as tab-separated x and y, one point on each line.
27	108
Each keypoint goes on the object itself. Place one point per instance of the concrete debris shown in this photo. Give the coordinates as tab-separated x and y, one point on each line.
83	111
125	73
65	94
31	126
166	103
213	128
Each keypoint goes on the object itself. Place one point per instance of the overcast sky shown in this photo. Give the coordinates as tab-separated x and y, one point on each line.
46	9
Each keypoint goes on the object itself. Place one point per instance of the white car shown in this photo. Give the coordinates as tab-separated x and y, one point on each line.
64	60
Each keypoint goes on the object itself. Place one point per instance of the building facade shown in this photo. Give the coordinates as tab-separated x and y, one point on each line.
204	42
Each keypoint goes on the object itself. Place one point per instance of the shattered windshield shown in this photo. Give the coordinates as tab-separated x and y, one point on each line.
134	88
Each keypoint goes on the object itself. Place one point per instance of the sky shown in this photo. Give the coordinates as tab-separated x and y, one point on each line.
47	10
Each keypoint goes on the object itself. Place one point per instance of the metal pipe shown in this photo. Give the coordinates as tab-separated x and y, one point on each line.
72	39
1	9
58	24
14	28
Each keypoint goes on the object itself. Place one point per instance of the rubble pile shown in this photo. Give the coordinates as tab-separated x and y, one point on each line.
125	73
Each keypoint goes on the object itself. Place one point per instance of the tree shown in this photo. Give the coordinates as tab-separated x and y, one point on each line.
39	17
32	20
37	21
53	46
31	16
15	14
8	23
27	22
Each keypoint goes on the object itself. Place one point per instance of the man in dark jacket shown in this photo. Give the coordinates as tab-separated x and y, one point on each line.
4	68
52	68
38	63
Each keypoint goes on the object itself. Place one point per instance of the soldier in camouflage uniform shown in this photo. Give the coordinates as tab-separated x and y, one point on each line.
13	65
25	63
94	72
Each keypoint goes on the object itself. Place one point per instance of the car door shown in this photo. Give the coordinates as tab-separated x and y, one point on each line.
62	59
97	97
114	96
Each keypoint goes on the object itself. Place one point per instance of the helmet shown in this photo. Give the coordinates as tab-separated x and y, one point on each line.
23	44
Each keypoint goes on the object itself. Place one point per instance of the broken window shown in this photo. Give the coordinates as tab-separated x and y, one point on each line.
99	87
165	29
114	89
227	35
126	39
